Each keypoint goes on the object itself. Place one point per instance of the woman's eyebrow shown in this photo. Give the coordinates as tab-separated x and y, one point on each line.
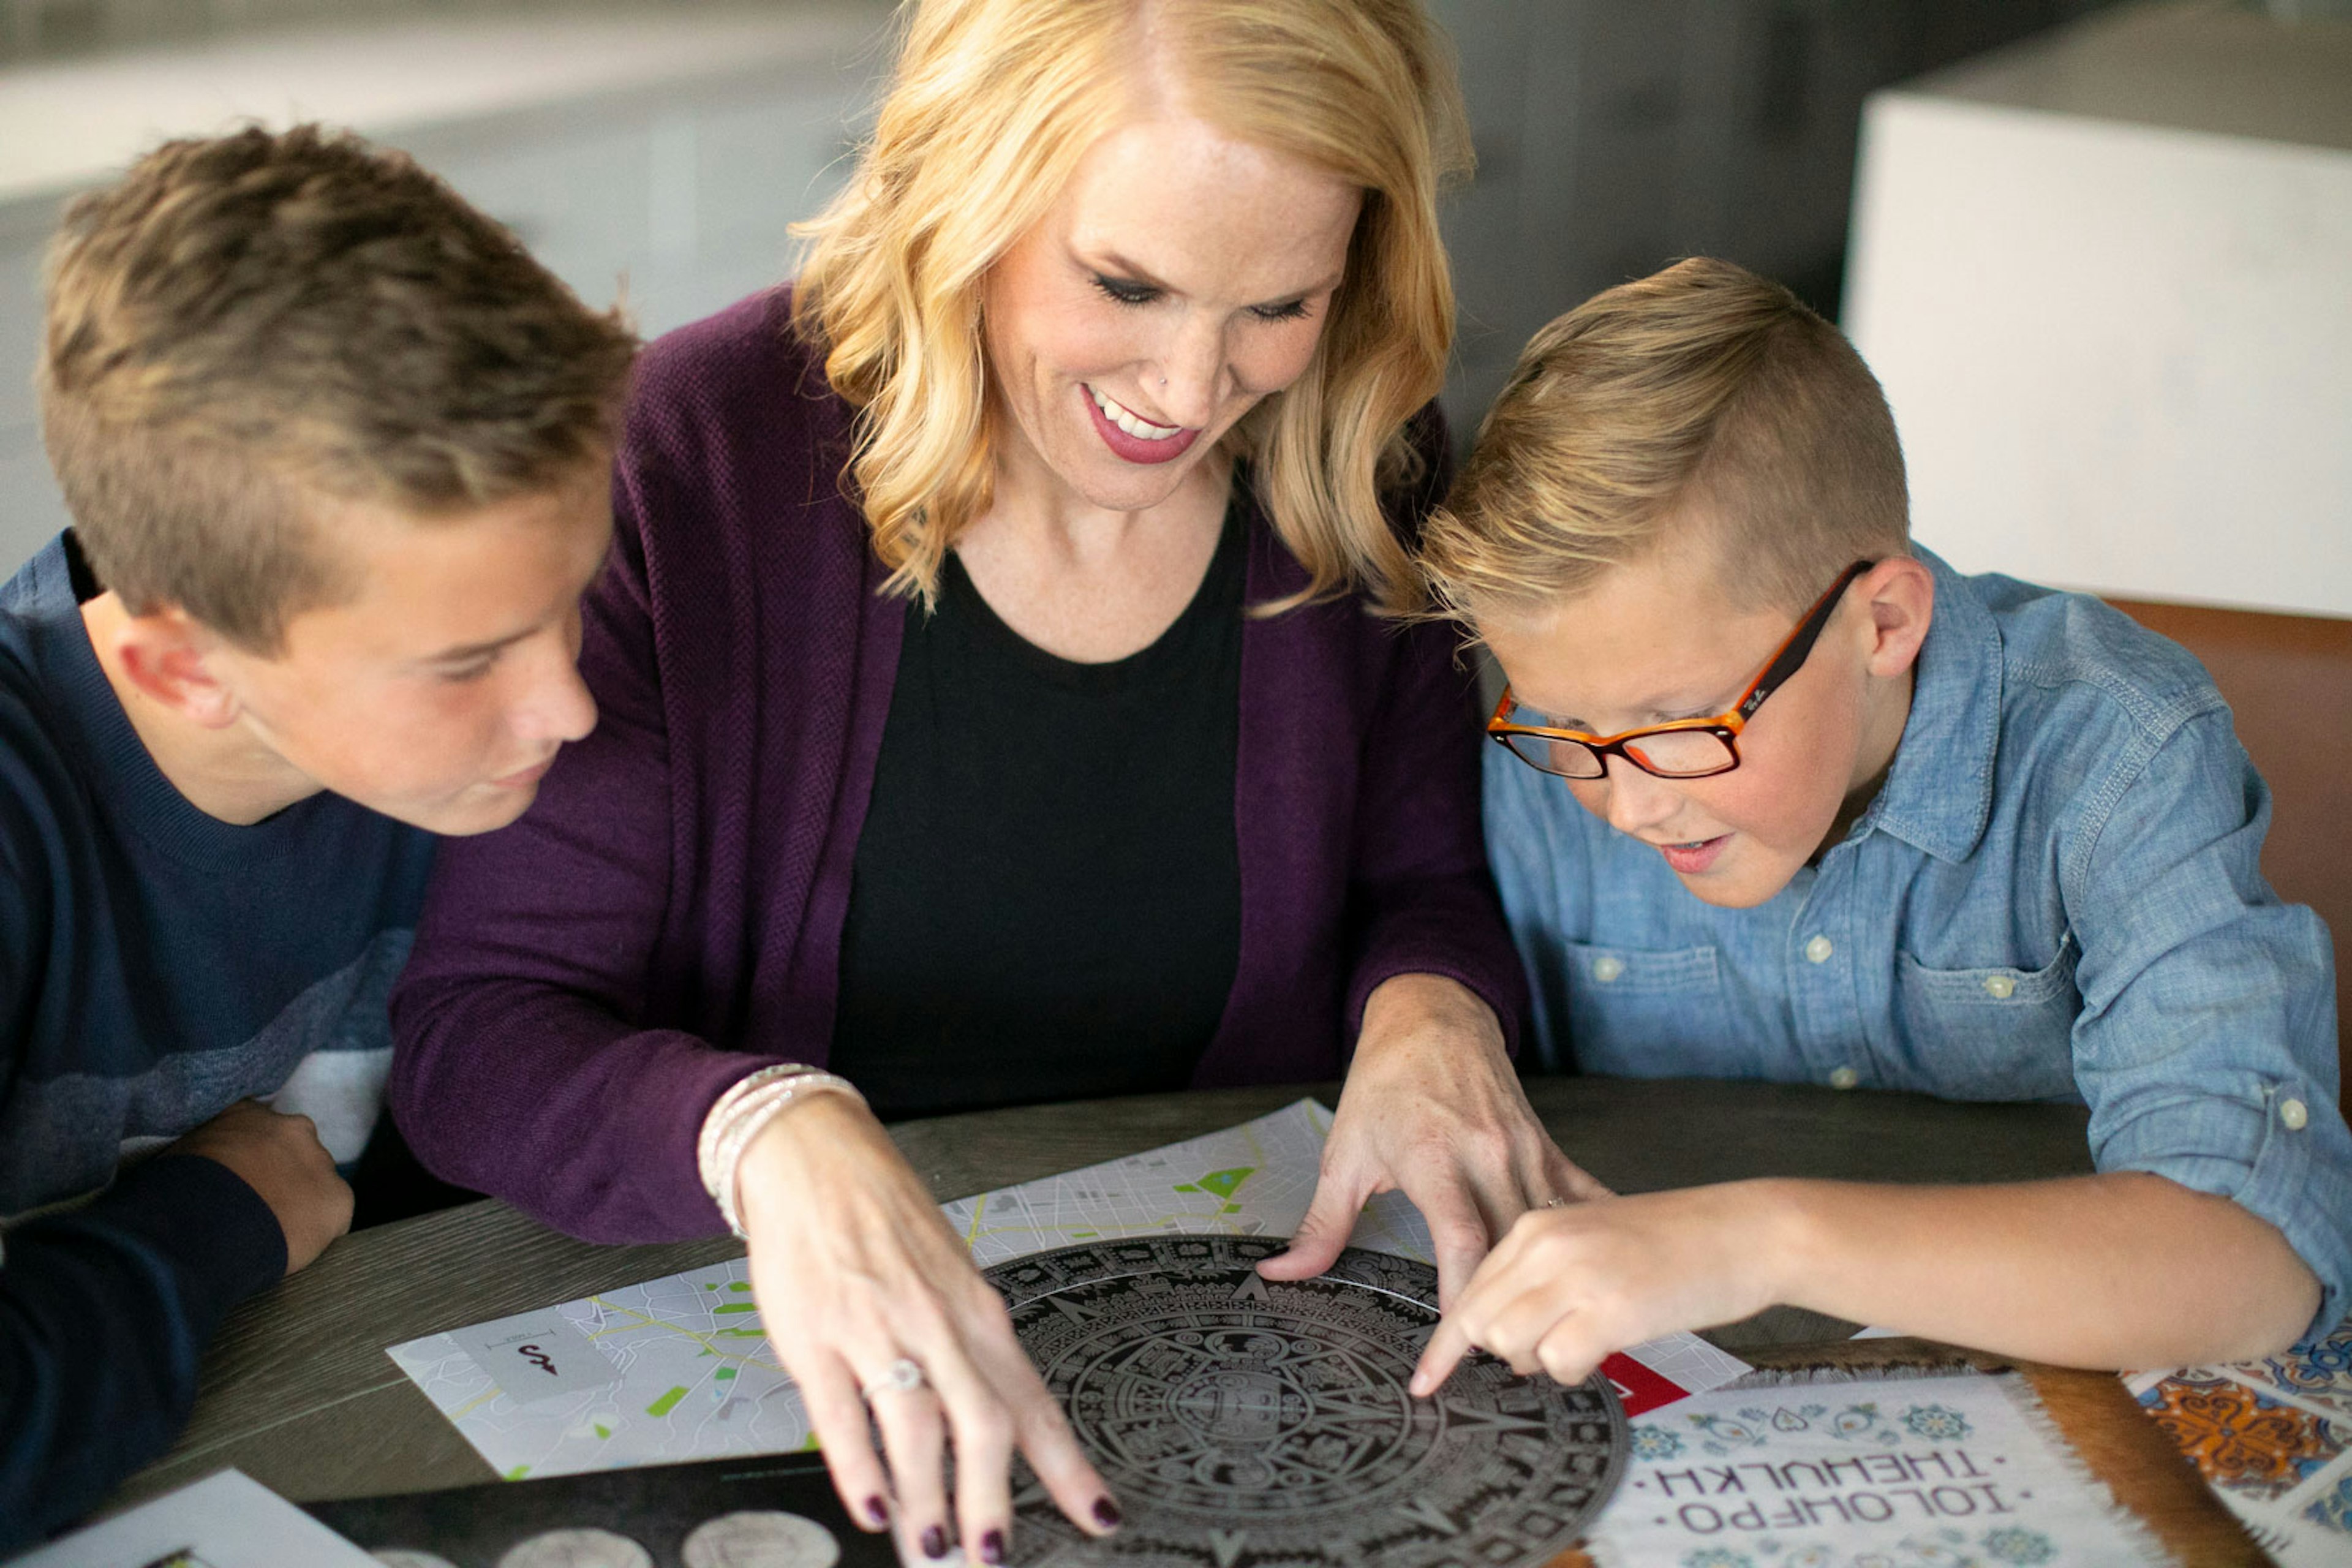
1113	262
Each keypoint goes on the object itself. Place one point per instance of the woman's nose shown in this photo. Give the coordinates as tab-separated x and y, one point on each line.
1191	376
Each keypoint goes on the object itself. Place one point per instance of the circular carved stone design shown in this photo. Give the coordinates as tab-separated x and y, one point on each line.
1244	1423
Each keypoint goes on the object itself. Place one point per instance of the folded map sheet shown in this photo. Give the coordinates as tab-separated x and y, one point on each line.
678	1368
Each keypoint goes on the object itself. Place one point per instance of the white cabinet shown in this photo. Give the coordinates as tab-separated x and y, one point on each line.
2106	280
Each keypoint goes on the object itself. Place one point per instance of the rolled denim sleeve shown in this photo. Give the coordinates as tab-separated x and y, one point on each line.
2206	1045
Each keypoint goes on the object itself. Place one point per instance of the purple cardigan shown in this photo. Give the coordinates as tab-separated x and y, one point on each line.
668	916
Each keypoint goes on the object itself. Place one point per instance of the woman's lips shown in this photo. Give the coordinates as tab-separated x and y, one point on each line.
1134	448
1690	859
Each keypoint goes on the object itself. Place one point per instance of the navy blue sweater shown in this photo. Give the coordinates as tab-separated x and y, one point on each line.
156	965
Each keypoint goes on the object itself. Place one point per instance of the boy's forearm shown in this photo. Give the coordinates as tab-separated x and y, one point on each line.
104	1313
2120	1271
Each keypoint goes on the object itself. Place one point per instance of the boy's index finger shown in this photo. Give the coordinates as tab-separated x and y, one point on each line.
1444	1353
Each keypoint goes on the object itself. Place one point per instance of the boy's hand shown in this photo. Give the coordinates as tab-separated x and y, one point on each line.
1569	1286
280	1157
1433	1107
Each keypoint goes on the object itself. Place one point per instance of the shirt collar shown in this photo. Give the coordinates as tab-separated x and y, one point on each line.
1938	793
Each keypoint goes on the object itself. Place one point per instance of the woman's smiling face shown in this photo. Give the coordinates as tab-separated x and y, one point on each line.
1182	276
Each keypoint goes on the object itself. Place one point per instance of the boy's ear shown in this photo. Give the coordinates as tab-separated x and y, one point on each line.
164	653
1901	594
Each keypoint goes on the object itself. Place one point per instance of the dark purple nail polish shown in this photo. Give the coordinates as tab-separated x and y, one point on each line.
1106	1513
877	1511
935	1543
992	1547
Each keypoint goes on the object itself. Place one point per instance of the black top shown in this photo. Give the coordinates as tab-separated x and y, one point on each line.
1047	898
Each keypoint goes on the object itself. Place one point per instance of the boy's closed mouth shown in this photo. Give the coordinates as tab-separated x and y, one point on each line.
523	778
1696	856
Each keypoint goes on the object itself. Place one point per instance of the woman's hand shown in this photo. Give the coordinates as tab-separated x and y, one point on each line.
855	1271
1433	1107
1569	1286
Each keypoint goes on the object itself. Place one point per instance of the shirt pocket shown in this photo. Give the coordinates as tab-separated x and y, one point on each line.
1647	1013
1998	1033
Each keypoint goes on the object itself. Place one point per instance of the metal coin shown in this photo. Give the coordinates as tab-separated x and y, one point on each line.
1248	1422
762	1540
577	1549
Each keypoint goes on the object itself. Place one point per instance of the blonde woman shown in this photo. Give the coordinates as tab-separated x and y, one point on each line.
994	711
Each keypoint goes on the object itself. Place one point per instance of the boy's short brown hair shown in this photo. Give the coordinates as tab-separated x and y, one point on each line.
245	324
1701	383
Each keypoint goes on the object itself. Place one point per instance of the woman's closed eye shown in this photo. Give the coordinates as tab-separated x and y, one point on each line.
1128	291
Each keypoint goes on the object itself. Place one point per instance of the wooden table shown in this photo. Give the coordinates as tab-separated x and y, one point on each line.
298	1393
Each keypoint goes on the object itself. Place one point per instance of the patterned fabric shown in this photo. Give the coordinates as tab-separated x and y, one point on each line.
2055	896
2274	1438
2240	1439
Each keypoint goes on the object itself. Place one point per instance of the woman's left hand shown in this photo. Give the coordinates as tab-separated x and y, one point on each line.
1434	1107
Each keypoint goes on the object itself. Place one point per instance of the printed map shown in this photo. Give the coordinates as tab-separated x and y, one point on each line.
678	1368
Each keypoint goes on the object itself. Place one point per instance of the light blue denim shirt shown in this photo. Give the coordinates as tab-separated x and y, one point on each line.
2055	896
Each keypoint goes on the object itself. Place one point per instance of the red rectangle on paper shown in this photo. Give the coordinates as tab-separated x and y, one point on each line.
1638	1387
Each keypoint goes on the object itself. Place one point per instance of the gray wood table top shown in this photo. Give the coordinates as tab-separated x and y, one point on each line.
298	1393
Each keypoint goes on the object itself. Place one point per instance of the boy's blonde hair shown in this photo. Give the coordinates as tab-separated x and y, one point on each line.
994	103
1701	391
245	325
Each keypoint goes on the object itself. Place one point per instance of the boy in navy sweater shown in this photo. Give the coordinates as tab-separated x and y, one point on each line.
335	448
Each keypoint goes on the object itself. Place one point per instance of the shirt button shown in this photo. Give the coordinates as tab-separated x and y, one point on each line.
1844	1078
1819	950
2001	987
1605	970
2295	1114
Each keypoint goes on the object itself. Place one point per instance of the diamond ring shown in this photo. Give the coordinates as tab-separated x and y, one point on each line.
901	1376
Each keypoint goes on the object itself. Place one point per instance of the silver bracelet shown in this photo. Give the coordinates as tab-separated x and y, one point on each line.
742	1112
715	1120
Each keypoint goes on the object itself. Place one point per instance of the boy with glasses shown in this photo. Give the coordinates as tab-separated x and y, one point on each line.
1777	795
336	451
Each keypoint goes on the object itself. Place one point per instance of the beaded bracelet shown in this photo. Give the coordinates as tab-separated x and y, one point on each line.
741	1113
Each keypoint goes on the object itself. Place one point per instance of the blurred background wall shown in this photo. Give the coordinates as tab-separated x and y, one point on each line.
671	142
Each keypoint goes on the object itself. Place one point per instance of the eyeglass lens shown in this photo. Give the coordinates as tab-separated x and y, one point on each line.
1671	753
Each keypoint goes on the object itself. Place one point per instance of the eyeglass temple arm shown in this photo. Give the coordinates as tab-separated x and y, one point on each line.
1800	645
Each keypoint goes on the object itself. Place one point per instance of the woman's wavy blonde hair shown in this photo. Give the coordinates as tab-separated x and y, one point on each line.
993	105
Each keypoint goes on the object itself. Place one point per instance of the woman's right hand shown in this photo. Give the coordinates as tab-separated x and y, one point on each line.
855	1269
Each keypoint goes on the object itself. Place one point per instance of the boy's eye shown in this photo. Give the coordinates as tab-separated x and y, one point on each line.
1126	291
472	669
1295	311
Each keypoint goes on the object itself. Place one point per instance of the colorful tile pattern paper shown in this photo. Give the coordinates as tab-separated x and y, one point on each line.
2274	1438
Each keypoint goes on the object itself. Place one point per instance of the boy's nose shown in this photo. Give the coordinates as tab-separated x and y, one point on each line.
557	704
1637	801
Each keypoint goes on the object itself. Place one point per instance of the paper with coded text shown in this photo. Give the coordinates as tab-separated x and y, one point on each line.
678	1368
1928	1472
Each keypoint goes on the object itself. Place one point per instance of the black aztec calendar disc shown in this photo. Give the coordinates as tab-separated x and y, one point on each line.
1243	1422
